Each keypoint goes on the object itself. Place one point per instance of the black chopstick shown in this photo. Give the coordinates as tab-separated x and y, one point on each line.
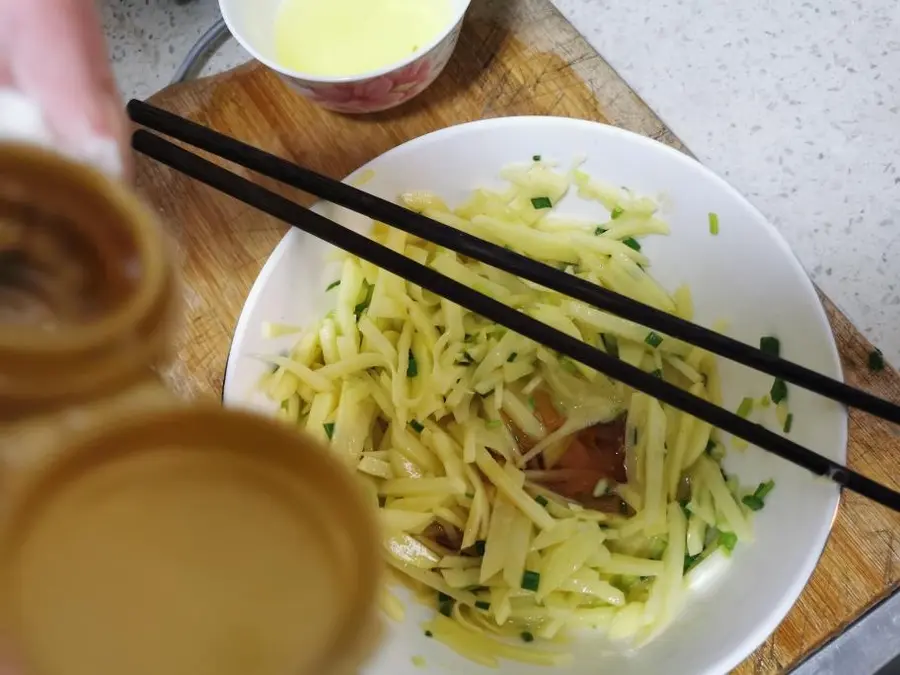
461	242
293	214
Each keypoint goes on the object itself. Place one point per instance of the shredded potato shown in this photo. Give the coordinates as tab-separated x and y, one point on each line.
477	442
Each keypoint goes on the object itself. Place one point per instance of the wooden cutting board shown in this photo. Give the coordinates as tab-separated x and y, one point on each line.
514	58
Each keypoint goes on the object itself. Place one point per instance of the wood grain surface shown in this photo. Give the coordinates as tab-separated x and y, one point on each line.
513	58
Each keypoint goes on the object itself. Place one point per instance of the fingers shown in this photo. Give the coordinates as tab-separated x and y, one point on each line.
56	54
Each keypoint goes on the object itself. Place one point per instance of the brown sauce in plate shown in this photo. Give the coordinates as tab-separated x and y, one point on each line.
592	454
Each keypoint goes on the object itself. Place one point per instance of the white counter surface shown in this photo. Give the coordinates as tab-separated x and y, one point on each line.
796	103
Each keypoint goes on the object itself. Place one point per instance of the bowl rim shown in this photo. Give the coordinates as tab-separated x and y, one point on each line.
803	573
457	17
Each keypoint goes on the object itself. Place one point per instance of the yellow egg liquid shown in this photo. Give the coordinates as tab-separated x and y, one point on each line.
334	38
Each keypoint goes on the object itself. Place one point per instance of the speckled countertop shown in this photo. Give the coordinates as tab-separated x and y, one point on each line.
796	103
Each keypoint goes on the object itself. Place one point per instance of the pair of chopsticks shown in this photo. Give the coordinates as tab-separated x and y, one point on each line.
265	200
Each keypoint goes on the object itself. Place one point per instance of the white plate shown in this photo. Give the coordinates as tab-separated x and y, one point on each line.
746	275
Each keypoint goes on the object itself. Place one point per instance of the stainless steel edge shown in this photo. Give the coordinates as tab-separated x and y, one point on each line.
867	646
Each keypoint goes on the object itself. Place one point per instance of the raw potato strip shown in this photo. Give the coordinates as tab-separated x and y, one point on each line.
654	467
560	532
431	579
699	440
496	544
377	340
485	650
629	565
412	448
587	582
724	500
668	591
404	521
316	381
566	559
321	409
411	551
677	453
421	486
446	449
348	296
353	421
494	473
518	542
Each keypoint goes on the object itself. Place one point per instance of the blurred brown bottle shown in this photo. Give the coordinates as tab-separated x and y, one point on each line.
140	534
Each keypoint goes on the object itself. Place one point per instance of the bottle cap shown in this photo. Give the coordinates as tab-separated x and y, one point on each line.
190	542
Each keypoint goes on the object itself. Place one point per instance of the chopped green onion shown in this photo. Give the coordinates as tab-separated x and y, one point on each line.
610	343
412	368
876	361
531	580
616	213
512	357
493	424
788	423
727	540
716	451
481	604
633	243
779	390
536	158
329	429
753	502
770	345
417	425
745	407
445	607
764	489
765	401
599	231
333	284
527	637
428	633
542	500
690	561
657	373
531	402
480	546
541	202
684	507
653	339
364	305
714	223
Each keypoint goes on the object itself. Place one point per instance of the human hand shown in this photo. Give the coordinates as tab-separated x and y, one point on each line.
53	52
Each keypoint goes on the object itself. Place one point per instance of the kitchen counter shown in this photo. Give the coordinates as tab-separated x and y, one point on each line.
796	103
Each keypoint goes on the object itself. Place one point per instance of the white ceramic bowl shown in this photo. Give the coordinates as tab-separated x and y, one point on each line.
252	22
746	275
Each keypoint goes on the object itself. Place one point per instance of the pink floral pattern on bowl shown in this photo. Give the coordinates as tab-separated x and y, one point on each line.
383	91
